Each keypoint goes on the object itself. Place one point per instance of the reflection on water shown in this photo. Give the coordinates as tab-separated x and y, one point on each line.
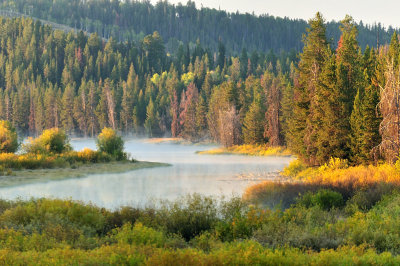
189	173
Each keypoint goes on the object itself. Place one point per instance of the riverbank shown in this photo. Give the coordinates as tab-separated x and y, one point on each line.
367	183
20	177
250	150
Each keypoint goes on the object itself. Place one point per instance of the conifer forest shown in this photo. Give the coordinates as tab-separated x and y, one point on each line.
301	119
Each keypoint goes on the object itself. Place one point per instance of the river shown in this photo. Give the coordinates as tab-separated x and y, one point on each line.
217	175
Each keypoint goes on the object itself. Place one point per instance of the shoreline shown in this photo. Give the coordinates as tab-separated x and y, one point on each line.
249	150
24	177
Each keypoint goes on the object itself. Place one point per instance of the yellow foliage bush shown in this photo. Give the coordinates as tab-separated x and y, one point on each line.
51	160
8	137
249	149
52	140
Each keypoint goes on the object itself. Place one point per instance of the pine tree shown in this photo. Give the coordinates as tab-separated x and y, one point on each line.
126	112
286	109
152	120
188	113
312	60
201	116
67	110
253	125
357	130
272	128
394	50
80	110
365	118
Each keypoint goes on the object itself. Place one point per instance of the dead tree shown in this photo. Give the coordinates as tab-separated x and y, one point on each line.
390	110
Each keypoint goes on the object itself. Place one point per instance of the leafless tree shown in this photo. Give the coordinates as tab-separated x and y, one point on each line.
229	127
390	110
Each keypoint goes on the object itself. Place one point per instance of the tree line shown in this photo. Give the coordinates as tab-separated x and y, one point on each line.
181	24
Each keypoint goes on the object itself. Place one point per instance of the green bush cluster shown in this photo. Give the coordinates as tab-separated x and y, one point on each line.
109	142
325	199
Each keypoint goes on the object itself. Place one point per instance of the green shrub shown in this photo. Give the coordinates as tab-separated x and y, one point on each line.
109	142
188	216
52	140
139	235
365	199
62	217
325	199
8	137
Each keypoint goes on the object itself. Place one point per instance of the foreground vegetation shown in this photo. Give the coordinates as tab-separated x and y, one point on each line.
319	228
248	149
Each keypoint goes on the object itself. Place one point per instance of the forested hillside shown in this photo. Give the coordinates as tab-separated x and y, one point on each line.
82	84
339	103
132	20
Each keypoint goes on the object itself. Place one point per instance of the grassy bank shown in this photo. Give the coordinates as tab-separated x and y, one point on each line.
18	177
371	182
251	150
198	230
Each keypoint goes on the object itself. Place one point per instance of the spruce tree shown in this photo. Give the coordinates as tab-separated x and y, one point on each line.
152	120
253	125
312	60
340	80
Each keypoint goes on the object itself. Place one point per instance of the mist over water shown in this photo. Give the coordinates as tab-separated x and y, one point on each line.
219	175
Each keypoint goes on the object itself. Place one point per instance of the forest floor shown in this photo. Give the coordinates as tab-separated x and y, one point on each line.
18	177
251	150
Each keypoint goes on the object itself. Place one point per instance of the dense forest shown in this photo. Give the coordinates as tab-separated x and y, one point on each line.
82	84
181	24
331	101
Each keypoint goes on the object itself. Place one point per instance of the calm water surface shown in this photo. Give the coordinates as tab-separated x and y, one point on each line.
190	173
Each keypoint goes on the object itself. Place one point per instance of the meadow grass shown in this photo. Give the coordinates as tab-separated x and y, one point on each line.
251	150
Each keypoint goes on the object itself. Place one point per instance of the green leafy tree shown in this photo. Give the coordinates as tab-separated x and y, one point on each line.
52	140
109	142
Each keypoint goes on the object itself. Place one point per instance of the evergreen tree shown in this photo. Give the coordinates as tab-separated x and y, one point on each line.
152	120
304	125
253	125
126	112
67	110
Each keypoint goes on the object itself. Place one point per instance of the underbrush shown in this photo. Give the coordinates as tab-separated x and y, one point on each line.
319	228
252	150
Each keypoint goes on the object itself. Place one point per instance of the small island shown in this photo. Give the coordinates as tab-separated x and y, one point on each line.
51	157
